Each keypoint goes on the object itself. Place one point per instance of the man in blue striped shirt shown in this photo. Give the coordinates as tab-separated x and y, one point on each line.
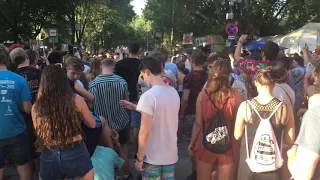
108	89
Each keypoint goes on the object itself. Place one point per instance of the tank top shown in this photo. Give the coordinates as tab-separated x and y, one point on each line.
252	122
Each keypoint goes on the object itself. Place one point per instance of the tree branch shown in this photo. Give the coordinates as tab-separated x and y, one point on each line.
281	9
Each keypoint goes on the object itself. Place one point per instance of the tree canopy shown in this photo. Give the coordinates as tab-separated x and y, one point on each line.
203	17
109	23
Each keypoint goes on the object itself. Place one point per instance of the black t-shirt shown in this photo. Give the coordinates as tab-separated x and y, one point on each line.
33	77
128	69
72	84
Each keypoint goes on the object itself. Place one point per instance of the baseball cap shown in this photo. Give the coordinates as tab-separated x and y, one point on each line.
17	52
13	46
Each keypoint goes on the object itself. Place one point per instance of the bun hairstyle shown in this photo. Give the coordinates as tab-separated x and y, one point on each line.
218	80
279	72
265	76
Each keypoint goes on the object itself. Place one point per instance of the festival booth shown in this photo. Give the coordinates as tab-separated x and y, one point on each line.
212	42
297	39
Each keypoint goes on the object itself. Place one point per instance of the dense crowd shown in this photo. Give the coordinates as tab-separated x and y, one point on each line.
246	115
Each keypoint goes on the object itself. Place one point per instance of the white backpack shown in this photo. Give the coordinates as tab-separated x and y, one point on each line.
265	154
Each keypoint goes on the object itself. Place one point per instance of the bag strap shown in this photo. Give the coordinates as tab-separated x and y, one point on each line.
304	73
273	112
286	94
232	81
213	102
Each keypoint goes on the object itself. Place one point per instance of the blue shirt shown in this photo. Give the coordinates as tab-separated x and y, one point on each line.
172	67
105	161
13	92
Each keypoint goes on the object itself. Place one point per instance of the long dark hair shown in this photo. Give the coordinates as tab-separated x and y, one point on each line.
218	80
55	109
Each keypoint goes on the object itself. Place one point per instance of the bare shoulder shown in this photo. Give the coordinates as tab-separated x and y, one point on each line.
199	99
79	101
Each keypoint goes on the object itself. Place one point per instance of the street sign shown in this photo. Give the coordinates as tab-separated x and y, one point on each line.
53	40
232	30
53	32
187	38
232	37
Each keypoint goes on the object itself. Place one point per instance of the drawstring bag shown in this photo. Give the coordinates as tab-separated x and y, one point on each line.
216	138
265	153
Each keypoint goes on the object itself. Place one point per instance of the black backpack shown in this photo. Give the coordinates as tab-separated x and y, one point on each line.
216	137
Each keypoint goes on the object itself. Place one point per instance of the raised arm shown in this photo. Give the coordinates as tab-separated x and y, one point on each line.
83	92
237	54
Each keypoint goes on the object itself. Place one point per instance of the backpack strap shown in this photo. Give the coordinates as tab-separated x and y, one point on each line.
213	102
273	112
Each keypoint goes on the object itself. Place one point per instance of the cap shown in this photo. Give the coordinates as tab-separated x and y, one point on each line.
17	52
13	46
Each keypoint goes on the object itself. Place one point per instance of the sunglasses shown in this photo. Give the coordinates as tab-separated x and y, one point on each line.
141	74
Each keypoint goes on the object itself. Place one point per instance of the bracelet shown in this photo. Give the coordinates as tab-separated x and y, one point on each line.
139	159
240	42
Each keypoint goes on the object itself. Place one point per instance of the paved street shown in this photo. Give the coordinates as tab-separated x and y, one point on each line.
183	168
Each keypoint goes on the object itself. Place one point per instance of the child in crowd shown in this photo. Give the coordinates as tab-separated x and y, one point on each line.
105	159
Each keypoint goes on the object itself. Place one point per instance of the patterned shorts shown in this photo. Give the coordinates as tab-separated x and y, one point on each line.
154	172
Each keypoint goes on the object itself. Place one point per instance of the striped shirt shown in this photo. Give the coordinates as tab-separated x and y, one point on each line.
108	90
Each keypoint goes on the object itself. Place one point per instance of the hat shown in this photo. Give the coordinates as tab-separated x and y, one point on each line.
13	46
17	52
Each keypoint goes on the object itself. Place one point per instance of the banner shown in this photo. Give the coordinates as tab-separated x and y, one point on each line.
187	38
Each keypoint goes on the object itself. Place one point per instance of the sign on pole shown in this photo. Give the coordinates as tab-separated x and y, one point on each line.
187	38
53	32
232	37
232	30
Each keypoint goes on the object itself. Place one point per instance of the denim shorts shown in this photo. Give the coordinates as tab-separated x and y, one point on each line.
70	162
18	146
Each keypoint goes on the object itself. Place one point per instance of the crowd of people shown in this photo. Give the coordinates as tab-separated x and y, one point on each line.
245	116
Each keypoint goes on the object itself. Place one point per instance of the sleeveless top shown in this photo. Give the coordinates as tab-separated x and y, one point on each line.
252	122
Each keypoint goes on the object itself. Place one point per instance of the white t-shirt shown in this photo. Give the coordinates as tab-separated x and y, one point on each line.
284	93
79	83
86	69
162	103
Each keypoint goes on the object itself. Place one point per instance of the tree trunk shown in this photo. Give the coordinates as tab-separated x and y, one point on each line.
73	24
15	31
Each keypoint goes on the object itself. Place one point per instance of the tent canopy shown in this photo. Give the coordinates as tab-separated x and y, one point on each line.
297	39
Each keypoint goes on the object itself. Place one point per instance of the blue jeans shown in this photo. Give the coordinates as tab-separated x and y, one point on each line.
70	162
